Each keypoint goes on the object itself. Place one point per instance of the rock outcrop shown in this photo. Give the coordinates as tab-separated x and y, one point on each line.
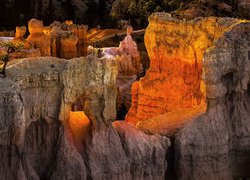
20	32
38	38
28	51
64	40
38	139
208	60
216	145
129	68
174	80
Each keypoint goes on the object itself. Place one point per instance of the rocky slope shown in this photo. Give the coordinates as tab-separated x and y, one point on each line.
38	141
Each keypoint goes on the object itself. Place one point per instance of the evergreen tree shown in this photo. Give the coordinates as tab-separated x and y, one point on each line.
165	5
151	5
132	10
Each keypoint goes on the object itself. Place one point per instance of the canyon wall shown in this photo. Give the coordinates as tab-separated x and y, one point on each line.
174	80
40	138
216	145
197	91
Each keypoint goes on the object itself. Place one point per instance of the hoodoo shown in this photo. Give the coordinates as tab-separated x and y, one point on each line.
125	90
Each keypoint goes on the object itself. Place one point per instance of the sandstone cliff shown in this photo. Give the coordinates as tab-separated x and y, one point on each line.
40	137
174	80
217	144
197	91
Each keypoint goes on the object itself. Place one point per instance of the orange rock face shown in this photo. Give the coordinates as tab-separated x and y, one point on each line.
79	125
38	38
20	32
68	47
80	31
174	80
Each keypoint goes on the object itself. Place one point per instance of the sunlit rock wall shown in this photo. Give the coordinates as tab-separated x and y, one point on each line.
174	80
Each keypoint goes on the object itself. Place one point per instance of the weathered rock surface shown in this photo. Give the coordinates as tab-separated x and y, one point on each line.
174	80
208	57
38	38
129	67
64	40
217	144
137	144
20	32
36	140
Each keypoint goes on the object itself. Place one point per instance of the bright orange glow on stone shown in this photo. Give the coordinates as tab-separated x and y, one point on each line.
79	125
174	80
170	123
99	34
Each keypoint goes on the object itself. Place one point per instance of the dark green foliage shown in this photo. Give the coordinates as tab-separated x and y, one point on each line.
158	9
10	47
132	10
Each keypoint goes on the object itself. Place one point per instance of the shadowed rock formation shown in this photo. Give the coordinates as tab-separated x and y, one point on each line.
37	136
216	145
128	60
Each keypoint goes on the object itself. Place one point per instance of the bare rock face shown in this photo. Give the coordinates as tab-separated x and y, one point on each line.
39	39
197	91
80	31
36	139
20	32
217	144
137	144
63	40
68	47
28	51
174	80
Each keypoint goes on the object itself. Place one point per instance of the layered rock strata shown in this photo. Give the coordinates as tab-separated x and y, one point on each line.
174	80
208	59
